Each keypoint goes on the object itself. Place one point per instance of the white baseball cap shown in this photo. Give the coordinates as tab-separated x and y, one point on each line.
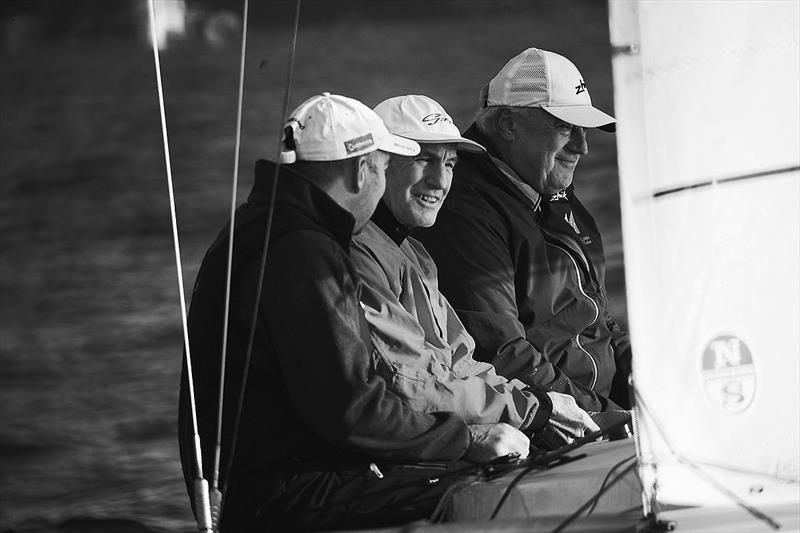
422	119
538	78
329	127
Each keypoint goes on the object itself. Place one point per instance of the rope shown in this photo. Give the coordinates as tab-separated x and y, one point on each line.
542	461
215	494
201	486
753	511
260	284
593	499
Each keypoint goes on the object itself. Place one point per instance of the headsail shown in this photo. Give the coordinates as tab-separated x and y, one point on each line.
707	99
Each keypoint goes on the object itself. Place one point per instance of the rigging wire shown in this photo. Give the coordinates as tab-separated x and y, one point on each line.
543	461
700	472
257	302
202	507
593	500
602	489
216	495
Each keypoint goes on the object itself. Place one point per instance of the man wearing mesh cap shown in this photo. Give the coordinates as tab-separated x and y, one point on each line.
519	256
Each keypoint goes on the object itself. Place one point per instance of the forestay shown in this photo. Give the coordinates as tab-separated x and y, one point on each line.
707	101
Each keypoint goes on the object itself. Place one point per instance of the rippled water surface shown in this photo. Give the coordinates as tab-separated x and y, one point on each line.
90	334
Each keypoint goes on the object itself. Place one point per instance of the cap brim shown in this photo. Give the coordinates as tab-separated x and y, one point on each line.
585	116
398	145
463	144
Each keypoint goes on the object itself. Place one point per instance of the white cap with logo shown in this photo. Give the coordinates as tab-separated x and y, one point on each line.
538	78
422	119
329	127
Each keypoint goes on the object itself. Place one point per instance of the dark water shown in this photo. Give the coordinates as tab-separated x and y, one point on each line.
90	335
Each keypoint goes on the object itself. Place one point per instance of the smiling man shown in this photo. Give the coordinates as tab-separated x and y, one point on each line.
520	257
424	352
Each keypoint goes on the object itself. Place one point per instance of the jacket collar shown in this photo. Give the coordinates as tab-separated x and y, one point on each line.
385	220
561	196
492	157
295	191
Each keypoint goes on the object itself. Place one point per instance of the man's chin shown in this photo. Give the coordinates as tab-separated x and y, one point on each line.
558	183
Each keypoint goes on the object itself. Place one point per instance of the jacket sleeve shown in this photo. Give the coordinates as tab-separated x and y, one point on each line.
311	310
438	378
477	275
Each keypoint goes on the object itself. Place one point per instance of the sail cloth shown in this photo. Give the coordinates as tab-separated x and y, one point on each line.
707	98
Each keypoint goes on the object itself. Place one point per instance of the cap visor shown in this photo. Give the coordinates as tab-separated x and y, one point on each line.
398	145
585	116
463	144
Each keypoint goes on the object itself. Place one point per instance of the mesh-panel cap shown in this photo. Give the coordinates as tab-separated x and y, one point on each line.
538	78
329	127
424	120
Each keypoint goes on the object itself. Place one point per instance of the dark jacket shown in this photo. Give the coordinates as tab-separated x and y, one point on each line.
527	279
312	394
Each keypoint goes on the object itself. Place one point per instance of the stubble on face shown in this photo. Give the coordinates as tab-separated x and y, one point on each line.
546	150
417	186
374	186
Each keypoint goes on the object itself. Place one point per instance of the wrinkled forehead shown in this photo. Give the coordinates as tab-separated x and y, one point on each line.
441	150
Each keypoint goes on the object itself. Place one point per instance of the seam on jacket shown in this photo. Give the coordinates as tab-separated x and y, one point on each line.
596	312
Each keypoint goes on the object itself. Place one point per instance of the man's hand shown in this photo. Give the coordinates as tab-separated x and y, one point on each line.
490	441
616	417
567	423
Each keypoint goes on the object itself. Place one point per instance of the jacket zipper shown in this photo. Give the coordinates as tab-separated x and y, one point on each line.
596	311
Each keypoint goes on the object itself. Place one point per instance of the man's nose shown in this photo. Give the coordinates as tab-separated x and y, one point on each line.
577	141
439	176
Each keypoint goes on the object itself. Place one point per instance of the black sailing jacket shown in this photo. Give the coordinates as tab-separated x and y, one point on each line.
528	282
312	393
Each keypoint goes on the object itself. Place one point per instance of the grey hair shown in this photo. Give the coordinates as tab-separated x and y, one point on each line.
486	118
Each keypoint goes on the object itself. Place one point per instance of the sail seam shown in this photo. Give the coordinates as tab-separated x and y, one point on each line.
718	181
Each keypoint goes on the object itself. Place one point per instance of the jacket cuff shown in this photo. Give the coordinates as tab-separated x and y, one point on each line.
542	416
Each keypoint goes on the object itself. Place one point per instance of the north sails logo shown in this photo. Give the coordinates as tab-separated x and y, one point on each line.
435	118
729	375
581	87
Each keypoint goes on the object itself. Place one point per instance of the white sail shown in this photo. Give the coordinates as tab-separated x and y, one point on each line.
707	97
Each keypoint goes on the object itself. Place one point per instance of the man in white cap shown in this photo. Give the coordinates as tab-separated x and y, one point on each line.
426	354
519	256
322	442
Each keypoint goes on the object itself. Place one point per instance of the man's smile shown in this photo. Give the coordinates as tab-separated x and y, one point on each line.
428	199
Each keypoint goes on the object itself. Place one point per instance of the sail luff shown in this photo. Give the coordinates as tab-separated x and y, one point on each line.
706	98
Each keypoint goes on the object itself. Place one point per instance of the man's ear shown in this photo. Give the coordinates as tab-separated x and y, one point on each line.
361	174
506	127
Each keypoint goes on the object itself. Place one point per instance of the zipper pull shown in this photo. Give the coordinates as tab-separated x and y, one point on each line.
375	470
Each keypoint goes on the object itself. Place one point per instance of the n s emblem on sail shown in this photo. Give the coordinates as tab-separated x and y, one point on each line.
729	375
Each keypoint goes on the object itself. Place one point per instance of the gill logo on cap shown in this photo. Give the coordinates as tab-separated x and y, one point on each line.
359	143
435	118
580	87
